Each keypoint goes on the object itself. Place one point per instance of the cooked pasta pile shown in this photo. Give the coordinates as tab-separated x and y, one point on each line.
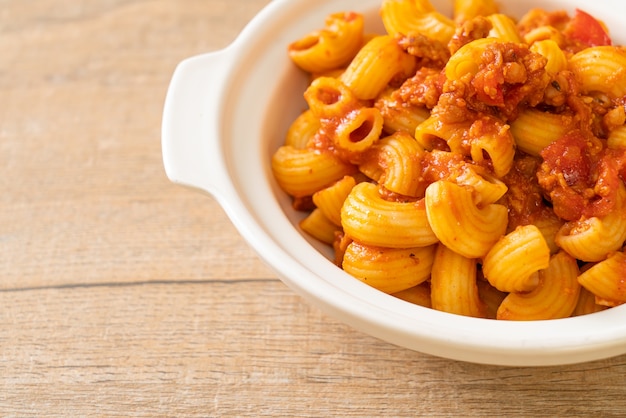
474	164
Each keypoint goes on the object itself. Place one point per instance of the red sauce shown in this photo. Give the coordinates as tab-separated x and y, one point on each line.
580	176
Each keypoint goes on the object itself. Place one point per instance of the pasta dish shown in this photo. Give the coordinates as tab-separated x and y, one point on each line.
474	163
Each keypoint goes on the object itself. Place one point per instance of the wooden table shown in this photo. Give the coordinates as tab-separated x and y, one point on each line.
122	294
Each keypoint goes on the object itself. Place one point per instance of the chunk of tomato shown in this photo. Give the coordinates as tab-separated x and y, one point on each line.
588	30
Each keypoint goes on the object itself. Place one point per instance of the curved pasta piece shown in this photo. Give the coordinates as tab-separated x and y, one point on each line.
534	129
607	279
302	129
329	48
557	61
411	16
368	218
328	97
591	239
389	270
555	297
601	69
465	60
380	60
319	227
511	264
433	130
459	224
358	130
487	188
330	200
494	142
302	172
543	33
396	163
503	28
453	284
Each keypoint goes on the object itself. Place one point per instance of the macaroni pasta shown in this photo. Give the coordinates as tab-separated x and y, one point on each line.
473	163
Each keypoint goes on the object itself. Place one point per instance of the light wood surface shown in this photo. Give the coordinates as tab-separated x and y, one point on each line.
124	295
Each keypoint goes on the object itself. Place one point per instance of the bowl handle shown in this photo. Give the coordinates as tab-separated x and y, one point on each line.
190	126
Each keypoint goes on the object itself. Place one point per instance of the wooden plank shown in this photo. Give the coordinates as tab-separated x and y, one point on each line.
235	348
84	195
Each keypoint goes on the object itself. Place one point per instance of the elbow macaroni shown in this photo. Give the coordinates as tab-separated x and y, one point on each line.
394	164
555	296
416	16
503	28
453	284
601	69
605	280
370	219
512	263
459	223
389	270
331	47
375	65
439	206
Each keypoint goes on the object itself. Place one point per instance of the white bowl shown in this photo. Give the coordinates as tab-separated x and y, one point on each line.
225	114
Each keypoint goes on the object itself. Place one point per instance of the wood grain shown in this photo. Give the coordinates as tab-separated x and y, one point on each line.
124	295
212	348
84	86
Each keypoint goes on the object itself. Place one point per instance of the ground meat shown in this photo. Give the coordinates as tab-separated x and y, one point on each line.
524	197
390	196
432	53
452	106
562	86
423	89
580	176
509	77
476	28
441	165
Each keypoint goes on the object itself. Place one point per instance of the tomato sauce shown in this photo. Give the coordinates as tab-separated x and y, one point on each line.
580	176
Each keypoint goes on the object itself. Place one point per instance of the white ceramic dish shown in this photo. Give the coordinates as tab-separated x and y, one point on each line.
225	114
